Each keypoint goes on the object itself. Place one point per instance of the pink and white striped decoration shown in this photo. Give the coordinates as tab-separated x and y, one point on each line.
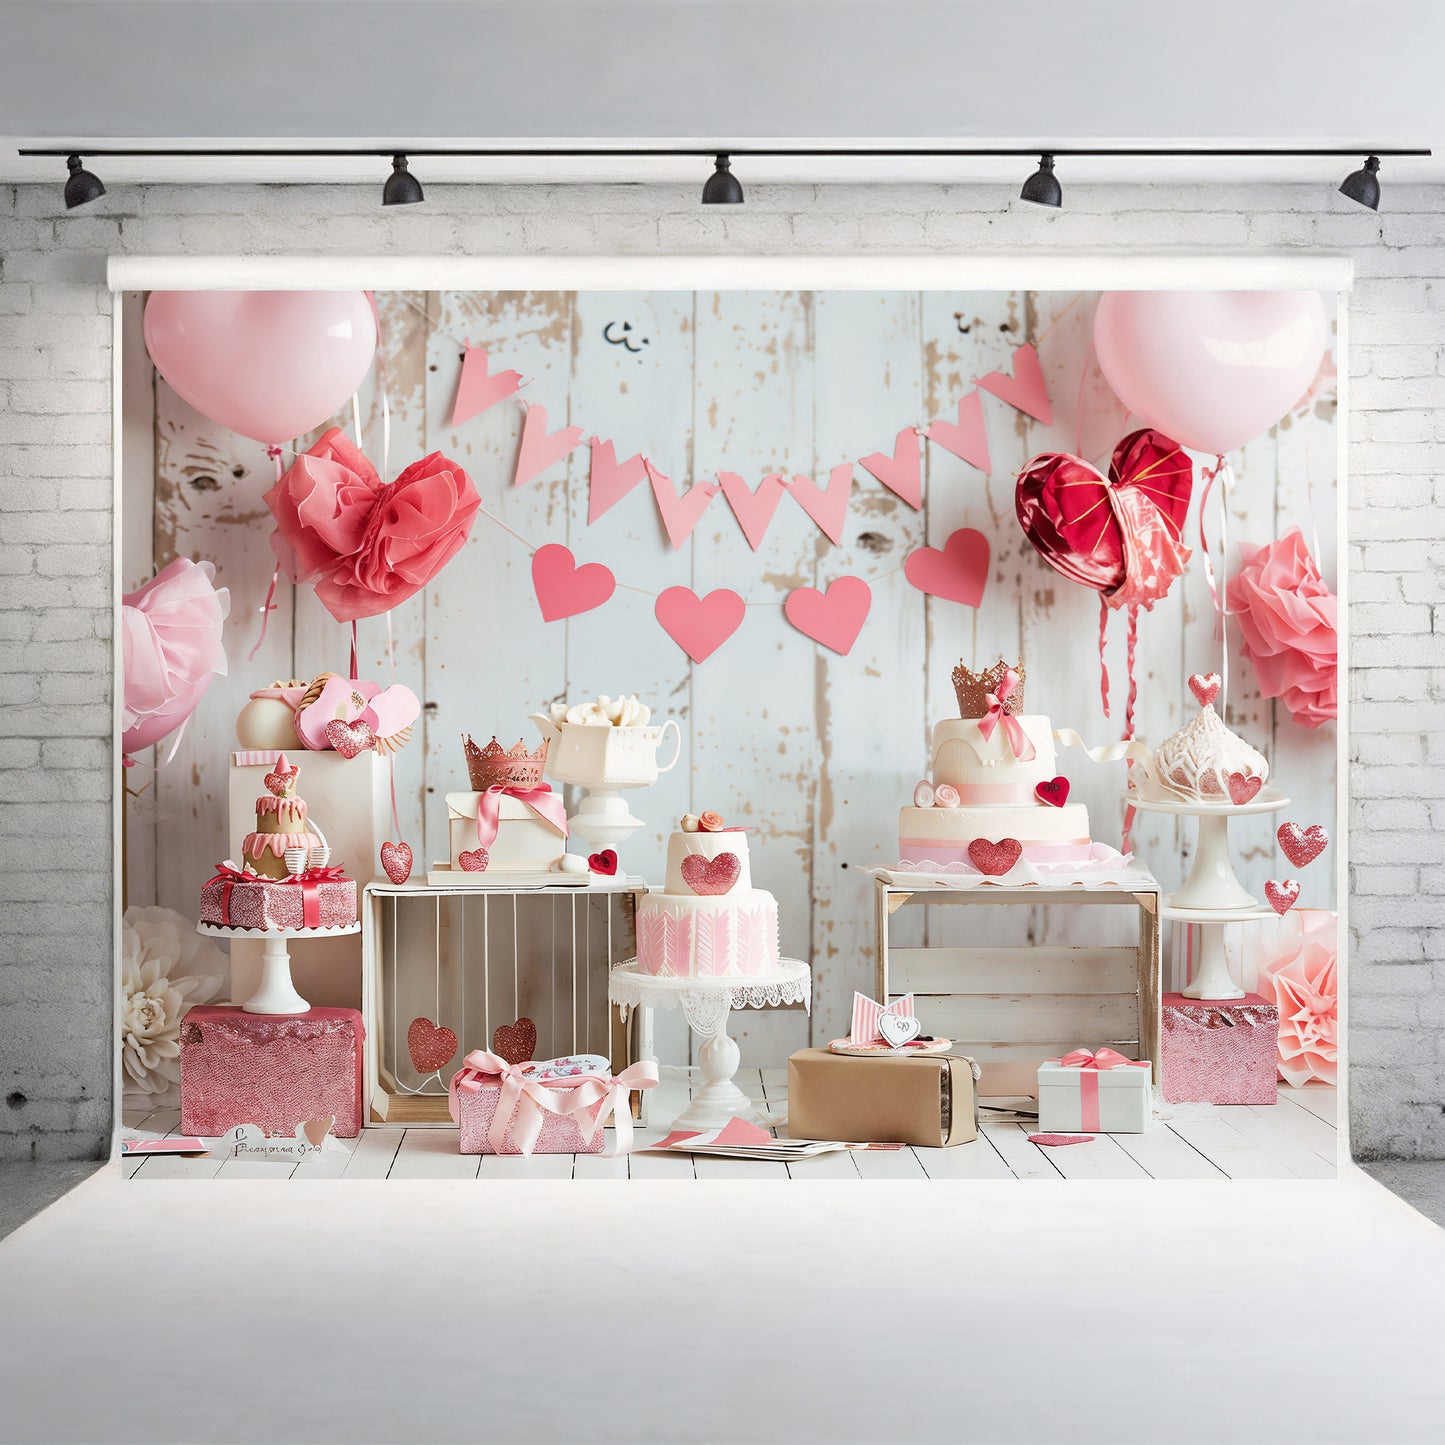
866	1014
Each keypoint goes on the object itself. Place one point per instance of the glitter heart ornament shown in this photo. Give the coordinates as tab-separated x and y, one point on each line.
474	860
280	779
1282	896
1054	792
350	739
1242	789
604	862
1302	845
1205	687
396	861
431	1047
516	1043
995	859
708	877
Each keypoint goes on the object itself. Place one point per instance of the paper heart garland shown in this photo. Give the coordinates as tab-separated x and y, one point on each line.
753	509
835	617
538	451
956	573
897	1030
474	860
966	437
1281	896
699	625
1302	845
680	514
610	480
604	862
1054	792
476	391
1242	789
902	473
1025	390
431	1048
1205	687
396	861
563	588
710	876
827	506
350	739
516	1043
995	859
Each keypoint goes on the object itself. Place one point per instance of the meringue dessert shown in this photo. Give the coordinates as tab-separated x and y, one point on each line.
619	712
1196	763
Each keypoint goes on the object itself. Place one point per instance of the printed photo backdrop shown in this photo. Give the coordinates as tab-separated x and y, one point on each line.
812	749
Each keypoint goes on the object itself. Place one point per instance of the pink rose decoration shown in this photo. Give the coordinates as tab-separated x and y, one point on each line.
367	545
1297	971
1288	619
945	795
387	711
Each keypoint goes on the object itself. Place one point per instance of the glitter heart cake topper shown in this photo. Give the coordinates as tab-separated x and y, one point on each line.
708	877
281	780
1205	687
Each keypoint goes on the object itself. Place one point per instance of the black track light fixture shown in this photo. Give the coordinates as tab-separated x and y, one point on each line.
1043	188
402	188
722	188
1363	185
82	185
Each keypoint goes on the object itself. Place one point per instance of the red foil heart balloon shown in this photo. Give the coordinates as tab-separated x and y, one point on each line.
710	876
1054	792
1242	788
474	860
431	1048
396	861
604	862
995	859
1205	687
350	739
1302	845
1281	896
516	1043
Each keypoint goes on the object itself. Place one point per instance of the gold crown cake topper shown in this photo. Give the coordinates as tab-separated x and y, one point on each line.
510	767
973	689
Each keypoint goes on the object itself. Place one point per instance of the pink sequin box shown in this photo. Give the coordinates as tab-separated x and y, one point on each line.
273	1070
1224	1052
560	1133
276	905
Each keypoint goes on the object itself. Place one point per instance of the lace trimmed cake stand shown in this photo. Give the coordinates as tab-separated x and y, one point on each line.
276	994
706	1003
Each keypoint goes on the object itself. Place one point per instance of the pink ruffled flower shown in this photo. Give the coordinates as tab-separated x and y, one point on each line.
1298	971
1288	619
368	546
387	711
945	795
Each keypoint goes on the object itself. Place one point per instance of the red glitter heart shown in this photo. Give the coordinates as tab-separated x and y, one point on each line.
1281	896
350	739
474	860
1055	792
431	1048
604	862
710	876
279	781
396	861
1302	845
995	859
1242	788
516	1043
1205	687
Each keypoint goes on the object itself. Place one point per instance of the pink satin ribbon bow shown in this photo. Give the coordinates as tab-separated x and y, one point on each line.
546	804
1090	1064
1018	739
523	1102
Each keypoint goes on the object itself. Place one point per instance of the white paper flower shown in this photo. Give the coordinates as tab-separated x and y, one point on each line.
166	967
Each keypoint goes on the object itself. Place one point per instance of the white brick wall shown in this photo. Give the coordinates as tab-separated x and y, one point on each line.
55	968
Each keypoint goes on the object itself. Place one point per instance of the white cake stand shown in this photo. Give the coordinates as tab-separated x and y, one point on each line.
1211	978
706	1003
1212	886
276	994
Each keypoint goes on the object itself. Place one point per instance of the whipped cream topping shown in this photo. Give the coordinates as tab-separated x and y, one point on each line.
1196	762
619	712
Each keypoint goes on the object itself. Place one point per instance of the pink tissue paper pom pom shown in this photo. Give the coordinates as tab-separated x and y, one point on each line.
1298	961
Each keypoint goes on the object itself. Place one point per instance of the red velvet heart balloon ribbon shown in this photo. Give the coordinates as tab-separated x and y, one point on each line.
546	804
997	713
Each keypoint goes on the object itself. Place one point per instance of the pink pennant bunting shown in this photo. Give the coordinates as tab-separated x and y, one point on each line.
610	479
680	514
753	509
539	451
902	473
563	588
699	625
1025	390
828	507
835	617
476	390
966	437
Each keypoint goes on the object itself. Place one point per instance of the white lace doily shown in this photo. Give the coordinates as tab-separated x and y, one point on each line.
706	1002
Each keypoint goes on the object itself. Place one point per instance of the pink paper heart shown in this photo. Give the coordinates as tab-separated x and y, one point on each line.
431	1048
539	451
680	514
753	509
827	506
1242	788
710	876
902	473
474	860
314	1131
956	573
995	859
1281	896
610	480
350	739
1302	845
835	617
396	861
563	588
699	625
966	437
1054	792
1205	687
476	391
1025	390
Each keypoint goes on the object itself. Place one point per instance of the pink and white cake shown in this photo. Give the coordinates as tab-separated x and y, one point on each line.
986	770
707	920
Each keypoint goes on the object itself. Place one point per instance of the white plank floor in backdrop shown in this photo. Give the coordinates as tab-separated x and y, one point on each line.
1292	1139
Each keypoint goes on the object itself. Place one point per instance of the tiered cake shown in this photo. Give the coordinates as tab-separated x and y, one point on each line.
988	765
708	920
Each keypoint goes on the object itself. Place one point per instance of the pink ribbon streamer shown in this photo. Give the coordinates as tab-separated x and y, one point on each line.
1013	729
546	804
1090	1063
523	1102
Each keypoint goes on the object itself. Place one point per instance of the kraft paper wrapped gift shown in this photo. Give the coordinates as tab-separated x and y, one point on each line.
882	1099
1219	1052
523	830
1094	1093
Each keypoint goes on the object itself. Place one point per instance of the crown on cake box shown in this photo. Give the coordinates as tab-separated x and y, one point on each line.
973	689
510	767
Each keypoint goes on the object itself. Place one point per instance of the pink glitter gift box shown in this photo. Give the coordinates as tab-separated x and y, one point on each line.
1218	1052
273	1070
319	898
560	1133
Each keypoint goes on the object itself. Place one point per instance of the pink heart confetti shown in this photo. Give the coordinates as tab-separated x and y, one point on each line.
350	739
1205	687
396	861
1242	788
835	617
1282	896
1302	845
1054	1141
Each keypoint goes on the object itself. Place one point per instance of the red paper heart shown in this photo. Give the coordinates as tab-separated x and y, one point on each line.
709	876
474	860
1281	896
604	862
1302	845
995	859
516	1043
1242	788
1054	792
350	739
956	573
431	1048
396	861
278	781
835	617
1205	687
563	588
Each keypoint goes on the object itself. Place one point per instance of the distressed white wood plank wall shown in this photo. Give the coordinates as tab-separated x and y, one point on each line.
813	751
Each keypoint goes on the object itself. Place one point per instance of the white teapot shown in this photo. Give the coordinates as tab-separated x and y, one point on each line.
606	744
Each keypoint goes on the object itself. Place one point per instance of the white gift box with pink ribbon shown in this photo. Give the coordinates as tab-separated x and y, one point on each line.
1094	1092
519	830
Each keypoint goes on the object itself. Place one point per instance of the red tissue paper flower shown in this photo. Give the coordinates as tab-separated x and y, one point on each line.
1288	619
367	545
1298	971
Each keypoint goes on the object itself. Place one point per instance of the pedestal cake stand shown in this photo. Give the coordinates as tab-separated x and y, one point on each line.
706	1003
275	993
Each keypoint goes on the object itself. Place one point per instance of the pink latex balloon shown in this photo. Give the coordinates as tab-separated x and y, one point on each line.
270	365
1210	369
